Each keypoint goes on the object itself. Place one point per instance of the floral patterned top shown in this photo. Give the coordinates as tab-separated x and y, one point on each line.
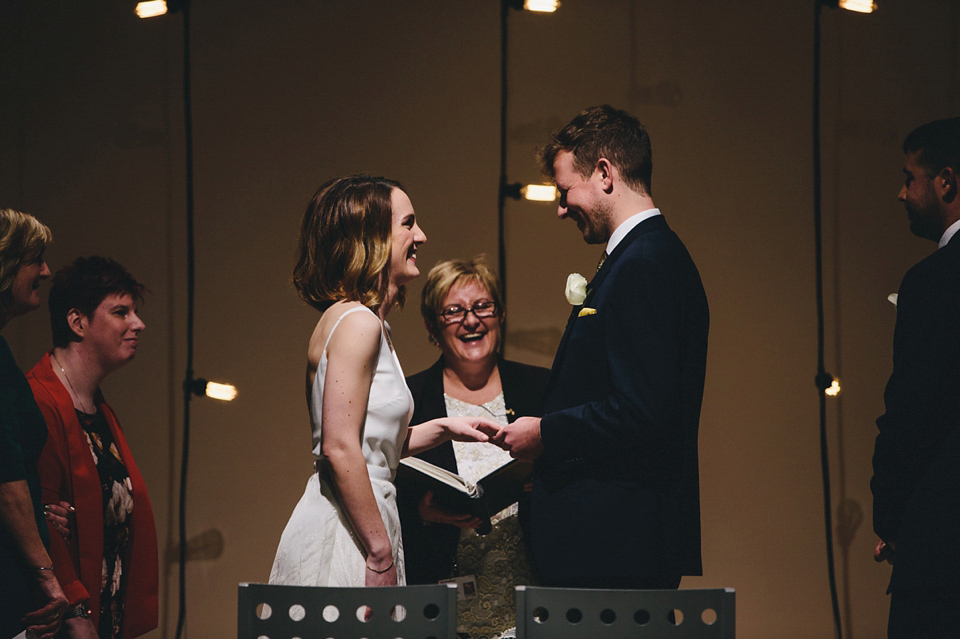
498	560
117	517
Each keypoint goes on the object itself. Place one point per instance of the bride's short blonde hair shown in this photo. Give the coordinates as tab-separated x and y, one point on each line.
345	239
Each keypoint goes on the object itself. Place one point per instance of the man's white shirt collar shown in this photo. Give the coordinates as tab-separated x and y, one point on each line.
950	232
627	225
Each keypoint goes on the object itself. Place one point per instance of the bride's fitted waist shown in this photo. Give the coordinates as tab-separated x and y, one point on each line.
377	473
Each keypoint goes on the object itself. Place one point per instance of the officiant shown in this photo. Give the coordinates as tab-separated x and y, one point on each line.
463	312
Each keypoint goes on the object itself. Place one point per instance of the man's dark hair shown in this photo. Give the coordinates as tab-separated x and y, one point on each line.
604	132
937	145
83	285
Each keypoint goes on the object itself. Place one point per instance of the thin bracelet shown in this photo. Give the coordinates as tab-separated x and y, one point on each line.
43	568
80	610
380	572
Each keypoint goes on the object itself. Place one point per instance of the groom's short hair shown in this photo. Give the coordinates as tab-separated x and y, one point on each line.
937	145
604	132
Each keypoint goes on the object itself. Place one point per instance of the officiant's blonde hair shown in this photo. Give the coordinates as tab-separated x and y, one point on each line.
443	276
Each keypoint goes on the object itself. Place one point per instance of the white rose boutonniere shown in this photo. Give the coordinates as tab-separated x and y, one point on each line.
576	289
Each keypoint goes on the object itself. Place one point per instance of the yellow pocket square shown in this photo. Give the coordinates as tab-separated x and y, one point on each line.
586	310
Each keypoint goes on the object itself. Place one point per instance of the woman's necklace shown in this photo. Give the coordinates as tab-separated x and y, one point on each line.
70	384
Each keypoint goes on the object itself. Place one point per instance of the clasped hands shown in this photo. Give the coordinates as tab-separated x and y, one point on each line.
520	438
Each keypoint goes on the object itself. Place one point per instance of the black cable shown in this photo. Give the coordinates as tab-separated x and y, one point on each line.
187	383
823	379
501	189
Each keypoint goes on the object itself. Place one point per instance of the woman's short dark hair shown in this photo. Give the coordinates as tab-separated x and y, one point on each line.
83	285
343	252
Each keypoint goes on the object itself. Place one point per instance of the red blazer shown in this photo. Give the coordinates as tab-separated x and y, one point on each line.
67	473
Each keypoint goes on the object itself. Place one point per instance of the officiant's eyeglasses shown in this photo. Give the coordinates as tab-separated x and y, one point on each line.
456	314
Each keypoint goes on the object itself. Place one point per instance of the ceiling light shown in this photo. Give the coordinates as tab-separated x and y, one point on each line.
834	389
860	6
151	8
539	192
223	392
543	6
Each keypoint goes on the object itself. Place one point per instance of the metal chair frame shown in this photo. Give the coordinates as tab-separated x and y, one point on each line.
406	612
568	613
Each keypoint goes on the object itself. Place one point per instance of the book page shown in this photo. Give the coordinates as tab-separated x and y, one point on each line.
441	475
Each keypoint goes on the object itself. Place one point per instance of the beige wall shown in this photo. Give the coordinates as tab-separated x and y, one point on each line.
290	93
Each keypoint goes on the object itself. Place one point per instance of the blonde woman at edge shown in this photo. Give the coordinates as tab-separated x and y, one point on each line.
30	595
357	248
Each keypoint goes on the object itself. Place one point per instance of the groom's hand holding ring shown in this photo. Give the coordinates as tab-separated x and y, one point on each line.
521	438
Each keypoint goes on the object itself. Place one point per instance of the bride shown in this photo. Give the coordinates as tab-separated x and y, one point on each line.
357	248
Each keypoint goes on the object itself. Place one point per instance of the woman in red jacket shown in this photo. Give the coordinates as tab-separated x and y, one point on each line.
108	563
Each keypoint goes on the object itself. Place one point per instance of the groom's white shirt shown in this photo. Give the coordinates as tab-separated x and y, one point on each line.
626	226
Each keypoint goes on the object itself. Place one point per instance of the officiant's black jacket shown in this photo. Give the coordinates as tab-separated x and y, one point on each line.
429	551
616	492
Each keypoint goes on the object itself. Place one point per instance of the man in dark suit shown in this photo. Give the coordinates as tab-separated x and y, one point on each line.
615	500
916	460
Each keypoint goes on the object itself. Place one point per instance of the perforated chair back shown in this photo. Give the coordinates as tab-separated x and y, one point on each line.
570	613
407	612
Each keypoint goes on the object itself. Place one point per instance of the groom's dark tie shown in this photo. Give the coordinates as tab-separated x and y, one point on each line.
603	258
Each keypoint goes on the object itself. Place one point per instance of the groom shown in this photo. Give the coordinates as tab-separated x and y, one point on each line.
615	500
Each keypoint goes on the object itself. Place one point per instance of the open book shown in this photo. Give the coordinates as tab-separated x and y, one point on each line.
485	498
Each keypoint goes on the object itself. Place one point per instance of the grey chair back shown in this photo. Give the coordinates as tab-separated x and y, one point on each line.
407	612
569	613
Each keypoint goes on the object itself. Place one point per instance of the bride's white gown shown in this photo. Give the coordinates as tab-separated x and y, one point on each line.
318	546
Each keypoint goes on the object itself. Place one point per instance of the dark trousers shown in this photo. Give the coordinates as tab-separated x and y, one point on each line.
923	614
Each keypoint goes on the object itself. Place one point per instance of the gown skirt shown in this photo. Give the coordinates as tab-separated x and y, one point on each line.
318	546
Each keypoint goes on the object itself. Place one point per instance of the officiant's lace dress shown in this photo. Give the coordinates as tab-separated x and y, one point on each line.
498	560
318	546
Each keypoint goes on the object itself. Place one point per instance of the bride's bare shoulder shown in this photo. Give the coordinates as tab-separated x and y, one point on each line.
360	329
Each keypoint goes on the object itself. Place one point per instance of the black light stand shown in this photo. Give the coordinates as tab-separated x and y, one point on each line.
505	189
191	386
502	190
188	382
823	379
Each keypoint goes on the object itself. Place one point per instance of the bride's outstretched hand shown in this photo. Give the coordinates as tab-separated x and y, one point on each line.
470	429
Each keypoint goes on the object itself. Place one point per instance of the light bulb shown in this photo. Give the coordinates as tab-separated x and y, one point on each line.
834	389
151	8
543	6
223	392
540	192
860	6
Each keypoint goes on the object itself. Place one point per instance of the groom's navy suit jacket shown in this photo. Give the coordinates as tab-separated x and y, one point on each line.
616	491
916	461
